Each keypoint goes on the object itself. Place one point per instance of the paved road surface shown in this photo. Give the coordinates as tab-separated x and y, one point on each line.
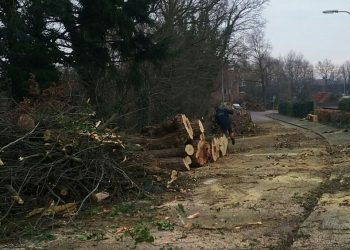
260	117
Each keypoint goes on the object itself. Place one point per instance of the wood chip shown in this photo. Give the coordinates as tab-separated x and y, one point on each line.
65	210
100	196
173	177
121	230
193	216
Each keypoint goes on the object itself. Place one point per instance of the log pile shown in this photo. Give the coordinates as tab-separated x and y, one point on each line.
312	118
180	144
241	123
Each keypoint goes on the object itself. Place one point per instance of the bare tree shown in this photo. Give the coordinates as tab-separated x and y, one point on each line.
206	36
326	69
241	15
260	58
298	72
344	72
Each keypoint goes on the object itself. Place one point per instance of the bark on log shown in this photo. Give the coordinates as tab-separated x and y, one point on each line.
179	123
182	151
160	130
173	140
198	129
178	163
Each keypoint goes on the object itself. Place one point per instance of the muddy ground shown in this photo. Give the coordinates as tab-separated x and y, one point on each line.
285	188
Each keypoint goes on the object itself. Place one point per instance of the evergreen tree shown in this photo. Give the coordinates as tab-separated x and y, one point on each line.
27	45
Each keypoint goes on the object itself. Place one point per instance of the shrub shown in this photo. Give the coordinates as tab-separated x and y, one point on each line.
290	109
282	108
344	105
324	115
302	109
336	116
333	116
296	109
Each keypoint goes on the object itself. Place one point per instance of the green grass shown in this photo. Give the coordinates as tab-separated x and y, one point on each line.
38	234
196	225
97	235
181	209
140	233
123	209
165	225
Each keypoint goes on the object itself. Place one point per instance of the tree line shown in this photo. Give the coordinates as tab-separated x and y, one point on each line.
139	61
290	77
151	57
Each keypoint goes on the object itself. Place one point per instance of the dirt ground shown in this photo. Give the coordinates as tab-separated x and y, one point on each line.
283	189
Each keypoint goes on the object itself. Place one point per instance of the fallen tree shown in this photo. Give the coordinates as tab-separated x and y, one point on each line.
181	144
55	158
52	153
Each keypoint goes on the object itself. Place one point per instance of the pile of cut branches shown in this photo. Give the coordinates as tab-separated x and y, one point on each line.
52	155
241	122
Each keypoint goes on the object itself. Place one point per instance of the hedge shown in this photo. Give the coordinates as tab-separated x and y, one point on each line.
296	109
344	105
282	108
333	116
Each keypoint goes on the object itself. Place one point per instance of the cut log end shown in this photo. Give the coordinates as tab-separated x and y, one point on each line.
201	126
187	162
189	149
223	144
187	124
215	149
203	153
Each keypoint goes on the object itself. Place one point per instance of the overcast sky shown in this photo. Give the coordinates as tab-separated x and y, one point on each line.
301	26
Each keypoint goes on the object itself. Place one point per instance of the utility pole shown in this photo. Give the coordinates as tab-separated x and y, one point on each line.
335	12
222	84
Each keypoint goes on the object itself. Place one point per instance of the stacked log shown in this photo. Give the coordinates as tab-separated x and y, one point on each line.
180	144
312	118
241	122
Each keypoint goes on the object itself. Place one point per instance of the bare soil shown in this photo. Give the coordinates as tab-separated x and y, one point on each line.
275	190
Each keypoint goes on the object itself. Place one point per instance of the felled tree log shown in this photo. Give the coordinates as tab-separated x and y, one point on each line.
186	124
160	130
203	154
178	123
223	144
215	149
177	163
173	140
198	129
182	151
189	149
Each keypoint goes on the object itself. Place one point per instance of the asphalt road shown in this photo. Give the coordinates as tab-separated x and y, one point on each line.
260	117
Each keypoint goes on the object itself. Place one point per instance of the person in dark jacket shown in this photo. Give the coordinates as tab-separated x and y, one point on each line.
223	120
